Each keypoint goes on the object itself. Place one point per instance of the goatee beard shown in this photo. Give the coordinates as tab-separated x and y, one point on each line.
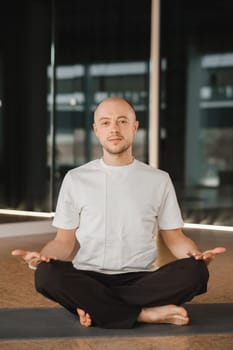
123	149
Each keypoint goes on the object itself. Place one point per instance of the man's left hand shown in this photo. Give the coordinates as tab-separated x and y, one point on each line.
207	255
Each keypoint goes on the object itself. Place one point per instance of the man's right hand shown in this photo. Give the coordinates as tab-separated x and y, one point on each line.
33	259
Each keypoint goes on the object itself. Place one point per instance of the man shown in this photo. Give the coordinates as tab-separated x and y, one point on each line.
114	208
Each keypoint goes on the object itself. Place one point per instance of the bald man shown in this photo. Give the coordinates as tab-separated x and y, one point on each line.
114	207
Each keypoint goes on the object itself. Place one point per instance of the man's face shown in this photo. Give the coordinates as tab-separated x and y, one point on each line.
115	126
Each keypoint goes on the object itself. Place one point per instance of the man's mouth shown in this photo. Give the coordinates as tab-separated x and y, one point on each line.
112	139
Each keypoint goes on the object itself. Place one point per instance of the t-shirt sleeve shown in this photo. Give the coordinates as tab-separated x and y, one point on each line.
67	212
169	216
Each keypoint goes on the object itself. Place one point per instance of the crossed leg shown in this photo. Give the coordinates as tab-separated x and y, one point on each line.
173	291
120	301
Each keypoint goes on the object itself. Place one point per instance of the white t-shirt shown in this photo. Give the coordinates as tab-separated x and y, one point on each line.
117	211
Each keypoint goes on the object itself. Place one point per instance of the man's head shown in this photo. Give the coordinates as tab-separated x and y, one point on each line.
115	125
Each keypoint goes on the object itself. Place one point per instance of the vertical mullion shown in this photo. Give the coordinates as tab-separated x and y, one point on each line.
154	85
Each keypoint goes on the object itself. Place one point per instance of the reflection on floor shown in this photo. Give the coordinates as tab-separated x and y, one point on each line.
221	217
16	290
10	218
207	205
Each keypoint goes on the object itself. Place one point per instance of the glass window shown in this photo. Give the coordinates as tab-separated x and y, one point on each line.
197	107
98	48
24	57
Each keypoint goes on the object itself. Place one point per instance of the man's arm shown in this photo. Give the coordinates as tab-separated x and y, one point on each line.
59	248
182	246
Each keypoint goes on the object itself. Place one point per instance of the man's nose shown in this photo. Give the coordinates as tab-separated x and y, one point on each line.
115	127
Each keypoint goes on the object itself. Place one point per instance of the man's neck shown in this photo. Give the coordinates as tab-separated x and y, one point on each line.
118	159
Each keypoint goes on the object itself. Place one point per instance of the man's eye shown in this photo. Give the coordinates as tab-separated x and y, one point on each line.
123	121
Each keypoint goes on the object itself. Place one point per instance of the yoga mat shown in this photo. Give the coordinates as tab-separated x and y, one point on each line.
38	323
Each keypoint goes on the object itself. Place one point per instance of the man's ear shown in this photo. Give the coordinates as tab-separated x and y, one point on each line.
94	128
136	126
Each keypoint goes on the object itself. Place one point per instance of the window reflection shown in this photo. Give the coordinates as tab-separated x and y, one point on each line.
196	108
209	142
215	130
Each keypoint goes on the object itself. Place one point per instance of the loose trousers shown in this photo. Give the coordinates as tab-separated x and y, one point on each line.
115	301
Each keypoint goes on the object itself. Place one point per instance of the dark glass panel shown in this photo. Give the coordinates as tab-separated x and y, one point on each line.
197	106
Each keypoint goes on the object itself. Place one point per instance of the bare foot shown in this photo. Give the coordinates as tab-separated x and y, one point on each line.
85	318
164	314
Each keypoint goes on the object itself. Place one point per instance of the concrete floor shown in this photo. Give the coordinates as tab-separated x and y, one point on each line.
16	290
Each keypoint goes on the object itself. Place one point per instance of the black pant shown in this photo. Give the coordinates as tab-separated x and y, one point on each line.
115	301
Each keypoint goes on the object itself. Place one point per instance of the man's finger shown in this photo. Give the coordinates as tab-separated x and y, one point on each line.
27	255
19	252
217	250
